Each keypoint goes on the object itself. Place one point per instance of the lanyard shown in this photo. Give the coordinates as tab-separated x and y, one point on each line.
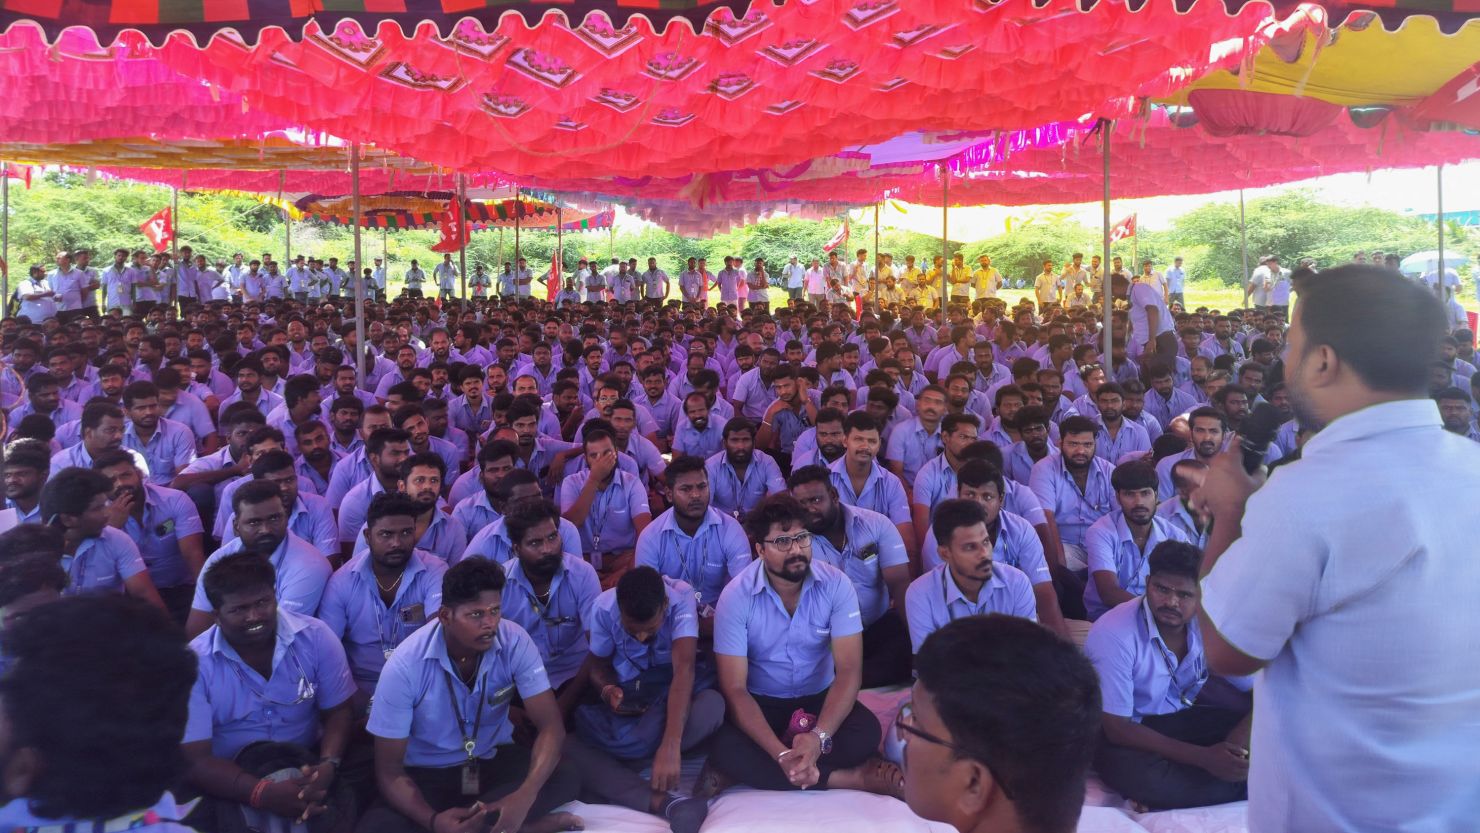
470	741
1169	659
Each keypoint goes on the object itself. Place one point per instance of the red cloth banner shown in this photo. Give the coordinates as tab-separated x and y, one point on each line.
553	285
160	229
453	230
1123	229
839	239
21	172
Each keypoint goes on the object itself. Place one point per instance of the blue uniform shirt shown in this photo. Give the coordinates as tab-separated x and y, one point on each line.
558	628
474	512
872	544
102	564
729	494
302	573
707	561
882	492
310	519
911	445
1110	548
1139	674
609	523
628	656
1016	544
232	706
444	537
370	631
493	543
171	449
934	600
788	655
696	443
418	687
1074	510
169	515
1132	439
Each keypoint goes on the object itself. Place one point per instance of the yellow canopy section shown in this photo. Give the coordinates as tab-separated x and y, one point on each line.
1358	66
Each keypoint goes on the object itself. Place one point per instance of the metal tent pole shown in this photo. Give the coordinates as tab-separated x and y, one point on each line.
5	240
1439	185
945	236
559	276
1106	287
878	258
354	177
175	245
1243	246
462	249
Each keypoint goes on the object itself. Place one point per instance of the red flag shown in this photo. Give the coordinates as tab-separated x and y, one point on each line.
1123	229
553	285
839	239
160	229
454	232
21	172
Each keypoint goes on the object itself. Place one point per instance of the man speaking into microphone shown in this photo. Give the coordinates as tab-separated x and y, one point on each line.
1351	577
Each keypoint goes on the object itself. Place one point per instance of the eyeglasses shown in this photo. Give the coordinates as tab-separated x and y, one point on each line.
904	728
785	542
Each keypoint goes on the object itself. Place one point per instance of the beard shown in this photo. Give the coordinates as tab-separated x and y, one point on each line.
740	458
265	544
830	452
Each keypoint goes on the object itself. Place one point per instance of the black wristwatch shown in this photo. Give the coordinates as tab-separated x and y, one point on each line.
825	740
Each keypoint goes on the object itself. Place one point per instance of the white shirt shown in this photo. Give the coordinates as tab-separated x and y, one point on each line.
794	273
1145	295
816	280
446	275
1365	717
1259	286
40	310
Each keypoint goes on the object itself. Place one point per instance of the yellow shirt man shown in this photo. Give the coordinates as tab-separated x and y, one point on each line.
986	279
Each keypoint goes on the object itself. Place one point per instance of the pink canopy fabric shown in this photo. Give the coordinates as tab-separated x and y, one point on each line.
780	86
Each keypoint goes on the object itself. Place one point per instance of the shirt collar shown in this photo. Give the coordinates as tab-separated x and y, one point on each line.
1376	419
1148	622
288	627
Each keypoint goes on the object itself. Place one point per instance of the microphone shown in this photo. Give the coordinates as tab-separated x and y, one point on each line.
1256	433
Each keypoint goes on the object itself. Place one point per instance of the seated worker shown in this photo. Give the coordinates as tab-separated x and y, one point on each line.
91	716
493	541
476	511
867	548
1187	477
739	475
437	532
862	482
261	527
445	758
162	522
310	518
969	581
385	451
609	506
549	594
384	593
1000	729
788	639
694	542
1118	437
653	705
1074	485
1120	543
98	558
1014	541
272	693
1158	750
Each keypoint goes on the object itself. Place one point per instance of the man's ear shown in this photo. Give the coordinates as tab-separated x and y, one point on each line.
22	766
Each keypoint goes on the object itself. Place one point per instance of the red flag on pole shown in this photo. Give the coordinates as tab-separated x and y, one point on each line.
160	229
1123	229
454	232
839	239
21	172
553	285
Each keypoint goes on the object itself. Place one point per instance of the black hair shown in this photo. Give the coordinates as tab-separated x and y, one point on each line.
641	593
687	464
1176	558
954	421
523	515
381	437
242	413
425	459
30	571
240	572
738	424
69	491
779	508
299	388
388	505
1075	425
100	689
1386	328
829	415
1207	412
860	421
113	457
254	492
1034	415
955	513
94	413
815	473
271	461
1133	476
28	455
1109	387
1023	701
977	473
496	450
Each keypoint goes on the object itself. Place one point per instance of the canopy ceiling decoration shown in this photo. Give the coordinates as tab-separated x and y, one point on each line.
777	87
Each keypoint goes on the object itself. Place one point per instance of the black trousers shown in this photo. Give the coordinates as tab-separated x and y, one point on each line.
886	651
498	776
733	753
1162	784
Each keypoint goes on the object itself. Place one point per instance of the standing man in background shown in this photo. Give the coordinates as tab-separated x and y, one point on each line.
1176	280
1358	725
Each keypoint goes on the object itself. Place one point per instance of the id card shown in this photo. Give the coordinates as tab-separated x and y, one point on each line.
470	779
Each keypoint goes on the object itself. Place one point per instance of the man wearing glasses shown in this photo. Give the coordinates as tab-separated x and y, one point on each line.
789	645
1169	742
1001	726
273	686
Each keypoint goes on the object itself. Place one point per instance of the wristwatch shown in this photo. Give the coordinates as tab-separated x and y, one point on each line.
825	739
